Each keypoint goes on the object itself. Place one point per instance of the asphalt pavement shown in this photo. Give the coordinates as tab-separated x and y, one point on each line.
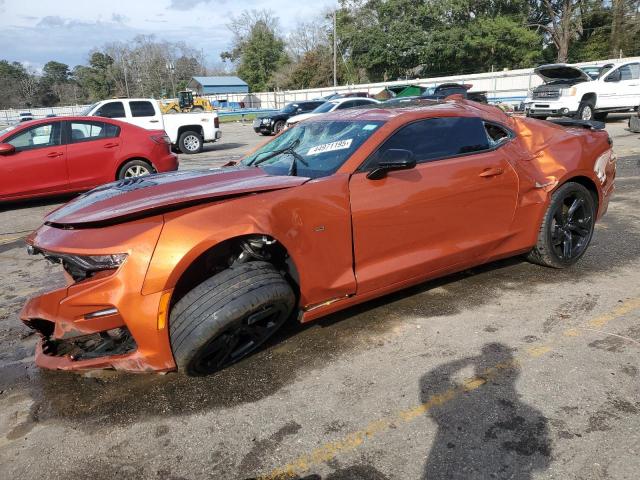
509	370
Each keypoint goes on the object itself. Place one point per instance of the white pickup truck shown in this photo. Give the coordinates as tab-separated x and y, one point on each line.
187	131
570	91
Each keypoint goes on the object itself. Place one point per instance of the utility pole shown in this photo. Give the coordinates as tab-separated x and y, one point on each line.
126	82
335	53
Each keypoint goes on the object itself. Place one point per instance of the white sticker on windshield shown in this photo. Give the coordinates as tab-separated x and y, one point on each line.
330	147
370	126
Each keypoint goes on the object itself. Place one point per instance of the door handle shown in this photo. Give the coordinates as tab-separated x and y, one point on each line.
110	145
154	121
491	172
54	154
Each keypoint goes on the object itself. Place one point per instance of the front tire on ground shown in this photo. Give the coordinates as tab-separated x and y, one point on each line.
278	127
567	227
228	316
585	110
190	142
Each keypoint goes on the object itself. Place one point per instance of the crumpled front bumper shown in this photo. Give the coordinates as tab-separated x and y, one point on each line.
104	321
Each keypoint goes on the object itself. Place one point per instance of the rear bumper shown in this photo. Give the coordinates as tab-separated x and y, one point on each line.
167	163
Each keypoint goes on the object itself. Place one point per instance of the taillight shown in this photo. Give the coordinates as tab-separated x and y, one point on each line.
161	139
216	122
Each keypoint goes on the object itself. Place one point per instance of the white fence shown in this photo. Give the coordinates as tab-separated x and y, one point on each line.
508	86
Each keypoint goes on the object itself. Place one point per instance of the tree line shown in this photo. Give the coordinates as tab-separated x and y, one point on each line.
377	40
380	40
144	67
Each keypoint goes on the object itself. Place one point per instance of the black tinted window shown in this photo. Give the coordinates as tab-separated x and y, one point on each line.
347	104
111	110
436	138
142	109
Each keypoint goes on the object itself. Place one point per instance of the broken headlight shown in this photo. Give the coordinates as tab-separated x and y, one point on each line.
81	267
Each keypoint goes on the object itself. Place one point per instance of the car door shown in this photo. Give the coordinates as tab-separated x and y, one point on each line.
93	149
144	114
451	209
619	86
38	165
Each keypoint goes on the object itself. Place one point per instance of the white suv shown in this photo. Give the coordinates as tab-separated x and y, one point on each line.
570	91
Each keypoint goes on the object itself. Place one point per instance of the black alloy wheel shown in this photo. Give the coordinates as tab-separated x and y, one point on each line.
567	227
241	339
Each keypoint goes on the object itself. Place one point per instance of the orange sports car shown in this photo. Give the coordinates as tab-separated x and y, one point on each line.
195	270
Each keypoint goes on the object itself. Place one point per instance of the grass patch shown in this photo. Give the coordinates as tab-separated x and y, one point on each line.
235	118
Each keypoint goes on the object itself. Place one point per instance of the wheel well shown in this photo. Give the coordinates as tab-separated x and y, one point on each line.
190	128
237	250
122	164
589	185
589	97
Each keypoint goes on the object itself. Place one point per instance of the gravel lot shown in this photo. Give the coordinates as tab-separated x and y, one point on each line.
509	370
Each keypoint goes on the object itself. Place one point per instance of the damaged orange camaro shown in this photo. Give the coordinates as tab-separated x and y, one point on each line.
194	270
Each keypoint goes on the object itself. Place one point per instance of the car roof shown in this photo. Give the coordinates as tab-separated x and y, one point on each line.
30	123
454	106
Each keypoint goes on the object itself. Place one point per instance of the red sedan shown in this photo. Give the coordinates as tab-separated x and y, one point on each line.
71	154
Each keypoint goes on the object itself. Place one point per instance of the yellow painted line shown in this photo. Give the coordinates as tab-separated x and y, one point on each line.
353	440
4	241
621	310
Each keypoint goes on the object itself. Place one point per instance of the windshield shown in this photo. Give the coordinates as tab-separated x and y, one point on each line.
320	147
325	107
86	111
289	108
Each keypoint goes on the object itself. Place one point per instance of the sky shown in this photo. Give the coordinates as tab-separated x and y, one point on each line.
35	31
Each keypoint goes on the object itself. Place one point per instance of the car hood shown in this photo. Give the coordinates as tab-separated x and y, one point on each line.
302	116
153	194
561	71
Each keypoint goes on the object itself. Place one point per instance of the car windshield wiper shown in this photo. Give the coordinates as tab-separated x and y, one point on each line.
293	170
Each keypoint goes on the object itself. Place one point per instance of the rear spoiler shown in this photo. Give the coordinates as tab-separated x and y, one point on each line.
572	122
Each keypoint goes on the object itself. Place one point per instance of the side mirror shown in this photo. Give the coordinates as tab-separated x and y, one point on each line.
7	149
613	77
392	159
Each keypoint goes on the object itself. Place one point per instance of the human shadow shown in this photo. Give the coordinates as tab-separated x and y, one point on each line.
484	429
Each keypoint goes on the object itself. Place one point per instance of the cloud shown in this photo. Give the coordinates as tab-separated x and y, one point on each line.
186	4
119	18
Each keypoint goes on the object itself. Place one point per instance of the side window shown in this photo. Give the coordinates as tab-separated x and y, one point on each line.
634	71
496	134
437	138
142	109
347	104
111	110
47	135
88	131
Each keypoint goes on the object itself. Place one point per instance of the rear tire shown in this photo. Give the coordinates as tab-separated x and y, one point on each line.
135	168
190	142
228	316
197	109
567	227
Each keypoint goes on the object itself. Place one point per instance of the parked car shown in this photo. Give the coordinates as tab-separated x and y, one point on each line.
195	270
274	123
336	95
570	91
71	154
445	90
187	131
337	104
